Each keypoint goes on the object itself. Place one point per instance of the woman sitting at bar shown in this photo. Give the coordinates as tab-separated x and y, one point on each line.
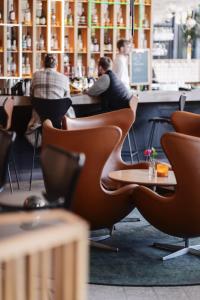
48	84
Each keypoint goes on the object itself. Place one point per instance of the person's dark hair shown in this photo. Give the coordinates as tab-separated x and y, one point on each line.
105	62
122	43
50	61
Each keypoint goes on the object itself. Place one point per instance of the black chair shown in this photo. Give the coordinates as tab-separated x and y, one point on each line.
163	120
6	123
6	141
53	109
61	170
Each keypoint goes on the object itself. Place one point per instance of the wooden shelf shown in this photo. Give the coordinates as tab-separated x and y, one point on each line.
77	37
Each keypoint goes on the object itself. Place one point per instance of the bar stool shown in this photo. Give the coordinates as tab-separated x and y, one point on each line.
132	141
163	120
8	106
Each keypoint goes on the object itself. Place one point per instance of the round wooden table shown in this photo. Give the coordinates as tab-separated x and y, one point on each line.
141	177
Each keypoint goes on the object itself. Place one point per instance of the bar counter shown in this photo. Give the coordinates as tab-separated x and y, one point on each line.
144	97
151	104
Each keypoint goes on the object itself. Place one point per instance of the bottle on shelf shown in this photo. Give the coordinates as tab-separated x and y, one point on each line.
54	42
80	43
13	66
28	42
9	43
28	66
23	65
39	9
12	16
120	20
41	43
82	20
95	19
146	21
43	18
14	43
27	14
66	43
53	17
70	17
94	45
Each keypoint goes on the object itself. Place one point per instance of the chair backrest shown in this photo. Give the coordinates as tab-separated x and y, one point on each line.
182	101
8	106
122	118
52	109
61	170
6	140
186	123
183	152
91	201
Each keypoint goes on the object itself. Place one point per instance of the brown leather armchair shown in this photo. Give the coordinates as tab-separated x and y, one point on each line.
124	119
178	214
101	208
186	122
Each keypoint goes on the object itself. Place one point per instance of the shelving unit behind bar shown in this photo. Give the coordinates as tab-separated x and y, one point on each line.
142	35
79	32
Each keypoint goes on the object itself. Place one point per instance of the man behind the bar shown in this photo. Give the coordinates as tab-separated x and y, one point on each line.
120	64
112	92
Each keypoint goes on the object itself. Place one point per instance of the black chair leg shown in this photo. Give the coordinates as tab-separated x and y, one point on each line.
130	148
33	158
15	169
136	152
10	180
151	135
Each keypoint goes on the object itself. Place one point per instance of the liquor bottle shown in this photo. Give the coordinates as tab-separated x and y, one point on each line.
39	9
95	45
70	17
43	19
27	14
53	17
28	42
14	43
55	42
82	18
12	14
41	43
66	43
24	42
13	67
28	66
9	61
9	44
23	65
95	17
80	43
120	20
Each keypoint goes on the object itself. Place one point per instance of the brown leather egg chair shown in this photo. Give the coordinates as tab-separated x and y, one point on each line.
179	214
124	119
186	122
101	208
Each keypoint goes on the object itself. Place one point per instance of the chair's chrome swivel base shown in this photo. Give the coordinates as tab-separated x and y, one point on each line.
179	250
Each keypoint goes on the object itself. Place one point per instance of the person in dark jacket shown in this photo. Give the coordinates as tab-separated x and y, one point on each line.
112	92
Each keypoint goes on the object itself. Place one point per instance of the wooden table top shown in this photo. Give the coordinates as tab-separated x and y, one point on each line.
141	176
17	198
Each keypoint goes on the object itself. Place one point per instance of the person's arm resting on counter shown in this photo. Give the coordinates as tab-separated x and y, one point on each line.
100	86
